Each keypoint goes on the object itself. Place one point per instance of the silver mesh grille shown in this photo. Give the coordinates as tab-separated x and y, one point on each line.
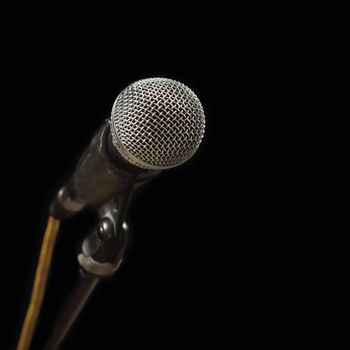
157	123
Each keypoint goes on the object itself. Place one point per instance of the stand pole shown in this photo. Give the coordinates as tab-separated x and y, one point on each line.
71	310
101	255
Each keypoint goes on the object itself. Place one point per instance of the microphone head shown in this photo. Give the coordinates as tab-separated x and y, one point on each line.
157	123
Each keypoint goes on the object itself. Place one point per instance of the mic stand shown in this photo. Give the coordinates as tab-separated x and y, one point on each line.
102	254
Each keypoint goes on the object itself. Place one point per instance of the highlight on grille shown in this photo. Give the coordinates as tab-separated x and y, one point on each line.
157	123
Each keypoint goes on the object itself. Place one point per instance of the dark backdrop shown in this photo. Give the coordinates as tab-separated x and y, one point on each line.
215	242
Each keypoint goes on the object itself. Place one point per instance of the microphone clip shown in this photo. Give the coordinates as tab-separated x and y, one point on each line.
103	250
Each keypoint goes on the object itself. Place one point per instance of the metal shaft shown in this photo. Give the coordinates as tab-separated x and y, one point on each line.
71	310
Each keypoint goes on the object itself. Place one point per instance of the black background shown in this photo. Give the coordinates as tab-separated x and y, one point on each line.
217	242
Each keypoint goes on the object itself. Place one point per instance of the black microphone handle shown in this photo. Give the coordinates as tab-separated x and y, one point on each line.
101	174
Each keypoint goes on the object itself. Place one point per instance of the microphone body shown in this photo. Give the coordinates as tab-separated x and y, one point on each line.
155	124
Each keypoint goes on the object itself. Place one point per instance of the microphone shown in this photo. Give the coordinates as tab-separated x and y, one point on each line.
155	124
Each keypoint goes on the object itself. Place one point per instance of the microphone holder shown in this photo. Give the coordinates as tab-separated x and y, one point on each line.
101	255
